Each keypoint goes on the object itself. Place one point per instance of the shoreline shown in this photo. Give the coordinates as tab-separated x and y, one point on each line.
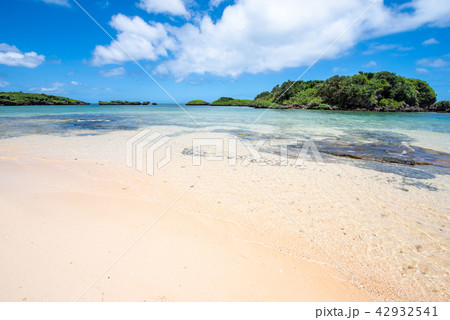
280	107
335	108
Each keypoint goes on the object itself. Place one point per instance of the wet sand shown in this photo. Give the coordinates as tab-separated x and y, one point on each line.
77	224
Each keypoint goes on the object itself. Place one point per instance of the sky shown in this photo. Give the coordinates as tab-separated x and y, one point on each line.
157	50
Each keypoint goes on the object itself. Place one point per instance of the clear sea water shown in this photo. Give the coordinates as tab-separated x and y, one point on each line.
403	139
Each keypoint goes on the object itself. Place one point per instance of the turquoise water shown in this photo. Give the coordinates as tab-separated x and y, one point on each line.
402	138
277	121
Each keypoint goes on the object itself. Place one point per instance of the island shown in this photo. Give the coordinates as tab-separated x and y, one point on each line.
197	103
441	106
33	99
366	91
379	91
226	101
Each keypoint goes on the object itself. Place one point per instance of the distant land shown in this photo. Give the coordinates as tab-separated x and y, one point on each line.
123	103
36	99
379	91
197	103
225	101
33	99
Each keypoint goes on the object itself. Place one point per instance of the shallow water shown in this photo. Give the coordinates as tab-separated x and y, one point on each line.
418	139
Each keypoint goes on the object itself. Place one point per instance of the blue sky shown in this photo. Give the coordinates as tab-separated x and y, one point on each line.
207	49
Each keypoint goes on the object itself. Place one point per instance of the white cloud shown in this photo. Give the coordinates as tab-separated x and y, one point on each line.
255	36
430	41
173	7
384	47
58	2
11	56
435	63
422	70
113	72
215	3
139	39
74	83
373	48
4	84
370	64
57	87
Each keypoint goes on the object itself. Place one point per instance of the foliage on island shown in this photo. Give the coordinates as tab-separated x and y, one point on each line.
380	91
123	103
225	101
197	103
442	106
33	99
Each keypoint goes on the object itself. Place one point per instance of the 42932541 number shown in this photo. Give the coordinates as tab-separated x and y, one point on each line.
406	311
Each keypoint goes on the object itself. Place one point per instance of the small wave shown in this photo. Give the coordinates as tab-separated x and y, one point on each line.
93	120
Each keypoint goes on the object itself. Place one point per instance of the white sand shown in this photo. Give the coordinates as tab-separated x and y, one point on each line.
70	209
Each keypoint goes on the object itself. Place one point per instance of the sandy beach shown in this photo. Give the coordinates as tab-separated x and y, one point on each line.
77	224
225	151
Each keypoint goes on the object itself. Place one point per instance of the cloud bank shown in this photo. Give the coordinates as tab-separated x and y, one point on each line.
254	36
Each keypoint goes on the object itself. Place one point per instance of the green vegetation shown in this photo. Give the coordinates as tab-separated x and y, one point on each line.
225	101
291	92
145	103
260	103
119	103
442	106
381	91
32	99
197	103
